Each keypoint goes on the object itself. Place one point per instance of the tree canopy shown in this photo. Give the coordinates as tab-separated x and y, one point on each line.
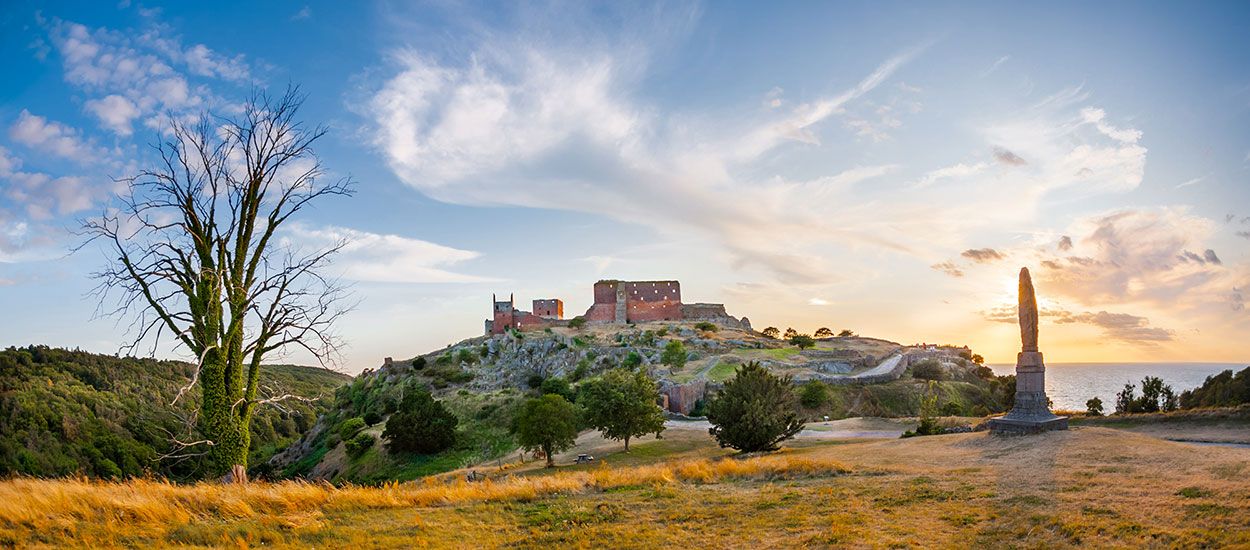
622	405
548	424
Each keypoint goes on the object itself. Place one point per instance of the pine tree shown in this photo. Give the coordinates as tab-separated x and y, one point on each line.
755	411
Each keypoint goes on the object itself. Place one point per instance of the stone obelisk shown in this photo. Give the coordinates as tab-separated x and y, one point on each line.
1031	413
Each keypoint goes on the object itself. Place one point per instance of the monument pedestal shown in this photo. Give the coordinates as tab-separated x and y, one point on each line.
1031	413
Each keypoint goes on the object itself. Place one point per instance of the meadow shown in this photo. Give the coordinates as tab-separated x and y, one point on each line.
1090	486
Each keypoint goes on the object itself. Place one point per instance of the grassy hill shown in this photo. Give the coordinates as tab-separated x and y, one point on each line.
66	412
1088	487
483	379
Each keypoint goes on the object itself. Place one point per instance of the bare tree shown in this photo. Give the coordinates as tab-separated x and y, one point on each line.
199	259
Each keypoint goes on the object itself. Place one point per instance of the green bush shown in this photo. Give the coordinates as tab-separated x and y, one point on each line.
631	361
1225	389
418	363
814	394
581	371
558	386
755	411
706	326
1093	407
350	427
534	381
421	425
929	369
803	341
372	417
360	444
674	354
951	408
577	323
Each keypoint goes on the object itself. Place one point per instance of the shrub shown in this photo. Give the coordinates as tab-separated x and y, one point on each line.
755	411
771	332
674	354
706	326
1093	407
548	423
929	369
791	333
421	425
846	333
418	363
358	445
952	408
824	332
372	417
976	358
1156	396
534	381
465	356
581	371
814	394
622	405
577	323
631	361
557	386
803	341
928	409
350	426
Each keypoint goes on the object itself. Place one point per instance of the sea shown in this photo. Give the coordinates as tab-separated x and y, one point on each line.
1070	385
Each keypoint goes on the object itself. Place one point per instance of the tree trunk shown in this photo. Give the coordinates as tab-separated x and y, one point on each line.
237	474
627	443
551	459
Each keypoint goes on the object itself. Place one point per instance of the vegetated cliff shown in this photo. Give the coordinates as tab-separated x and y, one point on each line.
66	412
481	380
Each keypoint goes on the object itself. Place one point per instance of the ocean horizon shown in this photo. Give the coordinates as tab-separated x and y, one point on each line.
1070	385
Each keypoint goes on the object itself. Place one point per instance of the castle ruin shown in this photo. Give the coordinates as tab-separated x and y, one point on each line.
616	302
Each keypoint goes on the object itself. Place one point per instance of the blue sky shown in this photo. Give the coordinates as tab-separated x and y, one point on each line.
884	167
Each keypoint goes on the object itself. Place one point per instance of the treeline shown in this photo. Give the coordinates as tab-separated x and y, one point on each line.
68	412
1225	389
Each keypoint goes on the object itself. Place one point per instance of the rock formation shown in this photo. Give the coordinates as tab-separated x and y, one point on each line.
1031	413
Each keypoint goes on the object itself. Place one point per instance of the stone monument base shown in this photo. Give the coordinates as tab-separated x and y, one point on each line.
1031	414
1005	425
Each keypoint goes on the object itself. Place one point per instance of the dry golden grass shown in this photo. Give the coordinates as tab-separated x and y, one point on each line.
102	513
1089	487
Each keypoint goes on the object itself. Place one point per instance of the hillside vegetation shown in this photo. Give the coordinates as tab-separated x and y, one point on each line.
65	413
1088	487
483	380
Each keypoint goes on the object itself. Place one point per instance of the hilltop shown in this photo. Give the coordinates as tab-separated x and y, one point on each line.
67	412
483	379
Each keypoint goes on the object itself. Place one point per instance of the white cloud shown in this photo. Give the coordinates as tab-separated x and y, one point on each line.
205	62
115	113
817	302
303	13
374	257
52	137
994	66
1189	182
554	129
956	171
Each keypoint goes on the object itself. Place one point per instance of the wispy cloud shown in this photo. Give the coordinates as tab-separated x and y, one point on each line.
373	257
995	65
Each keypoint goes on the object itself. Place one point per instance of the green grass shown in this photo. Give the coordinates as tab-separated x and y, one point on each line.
721	372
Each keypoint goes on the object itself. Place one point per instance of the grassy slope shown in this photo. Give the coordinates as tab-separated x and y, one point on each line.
1090	486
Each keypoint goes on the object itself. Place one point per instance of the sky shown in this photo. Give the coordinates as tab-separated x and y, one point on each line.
876	166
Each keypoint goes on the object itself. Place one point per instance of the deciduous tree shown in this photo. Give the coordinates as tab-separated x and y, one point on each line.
623	405
199	258
547	423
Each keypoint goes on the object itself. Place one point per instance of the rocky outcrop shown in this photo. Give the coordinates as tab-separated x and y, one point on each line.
714	313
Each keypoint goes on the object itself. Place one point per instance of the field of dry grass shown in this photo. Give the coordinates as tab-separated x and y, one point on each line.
1090	486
